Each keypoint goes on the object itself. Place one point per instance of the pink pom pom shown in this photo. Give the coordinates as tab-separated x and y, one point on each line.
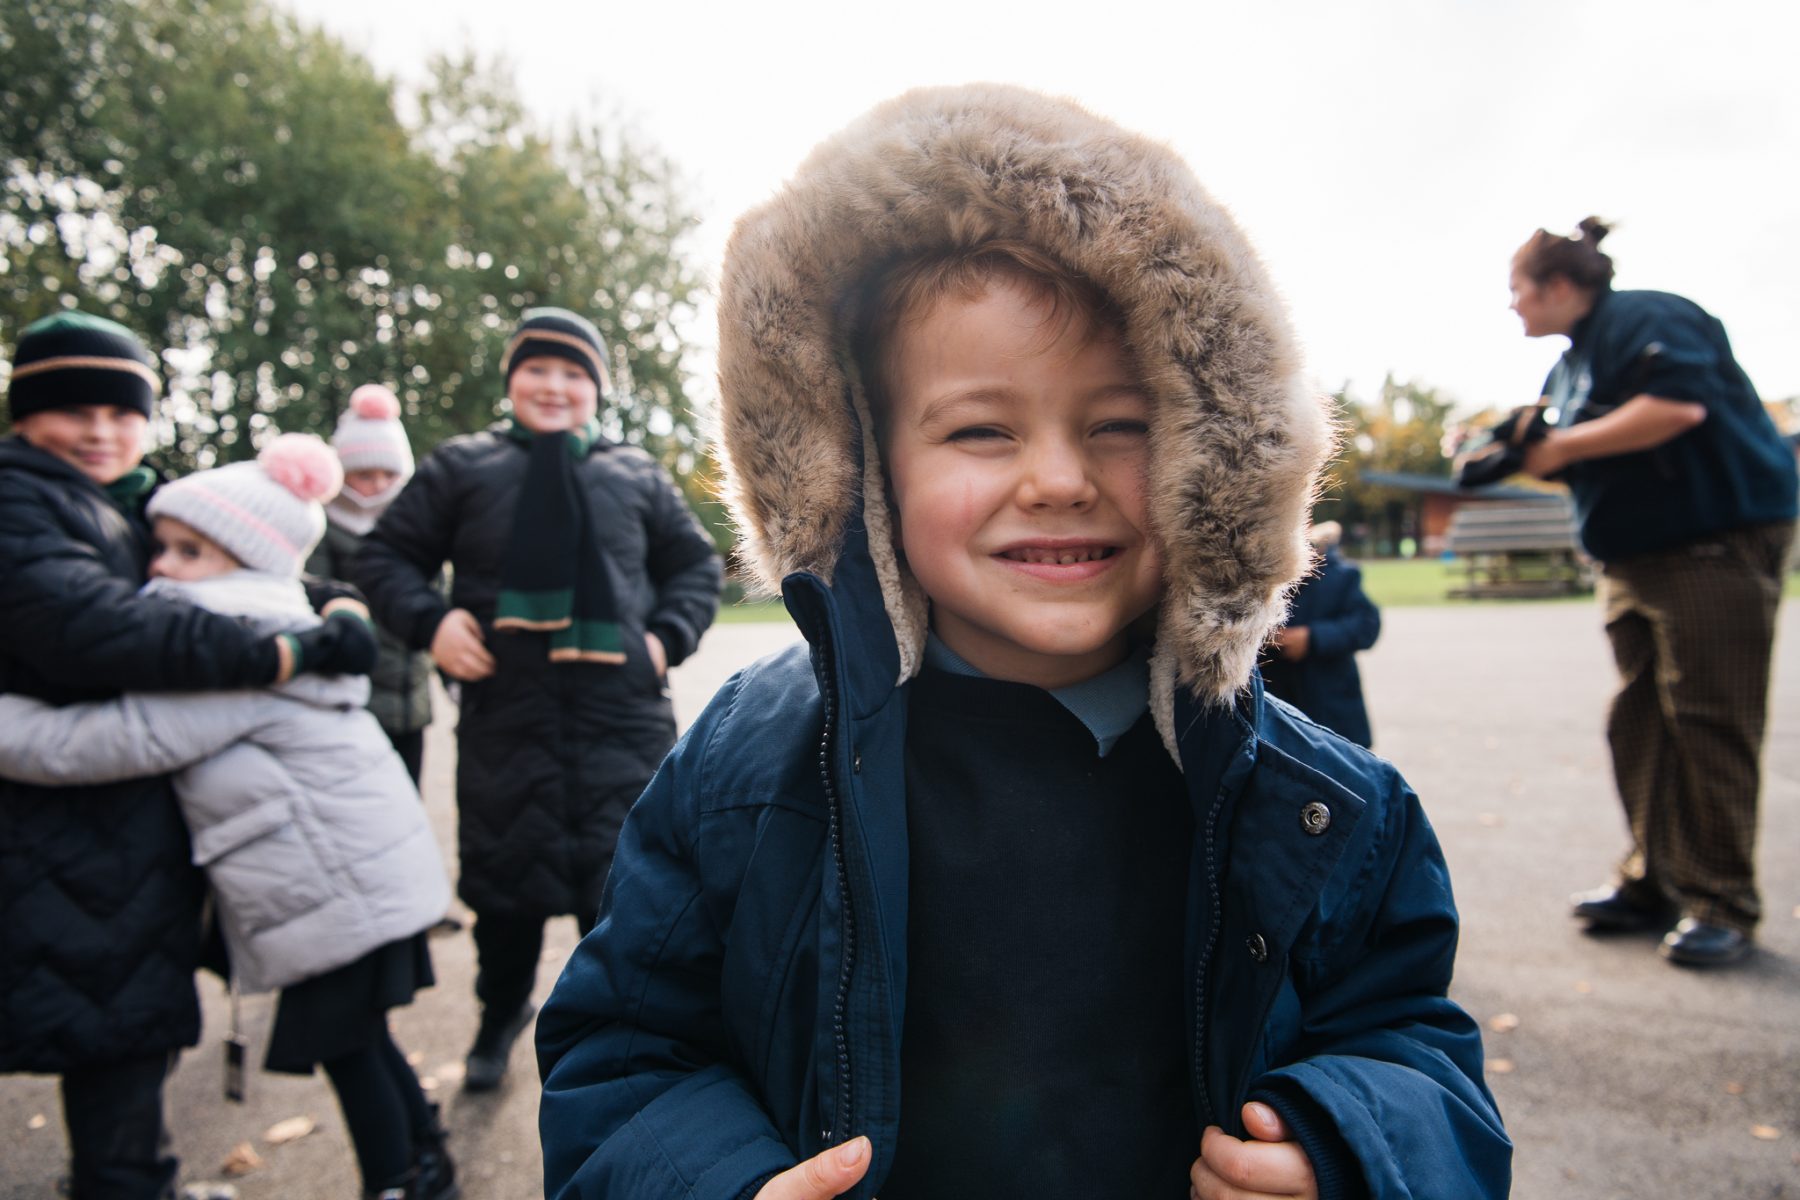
373	402
304	465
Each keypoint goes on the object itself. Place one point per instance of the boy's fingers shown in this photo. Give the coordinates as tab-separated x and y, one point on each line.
1265	1124
1250	1168
825	1175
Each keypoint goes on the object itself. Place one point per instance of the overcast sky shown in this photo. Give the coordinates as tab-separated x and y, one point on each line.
1386	156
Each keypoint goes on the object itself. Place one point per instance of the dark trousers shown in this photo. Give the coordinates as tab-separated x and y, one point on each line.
507	950
384	1108
411	748
117	1144
1692	632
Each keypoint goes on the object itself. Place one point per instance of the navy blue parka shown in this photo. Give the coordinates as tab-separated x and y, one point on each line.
740	1005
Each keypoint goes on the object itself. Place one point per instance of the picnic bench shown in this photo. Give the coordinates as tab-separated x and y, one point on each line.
1518	547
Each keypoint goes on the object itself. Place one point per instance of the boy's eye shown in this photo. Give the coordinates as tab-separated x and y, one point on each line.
974	433
1125	426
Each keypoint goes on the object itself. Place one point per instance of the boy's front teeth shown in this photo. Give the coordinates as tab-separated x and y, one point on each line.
1062	558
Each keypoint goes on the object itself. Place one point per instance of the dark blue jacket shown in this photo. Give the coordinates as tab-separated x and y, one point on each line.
1325	685
1731	471
739	1006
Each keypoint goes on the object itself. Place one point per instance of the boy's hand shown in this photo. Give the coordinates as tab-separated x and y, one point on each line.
829	1173
659	654
459	648
1271	1166
1294	642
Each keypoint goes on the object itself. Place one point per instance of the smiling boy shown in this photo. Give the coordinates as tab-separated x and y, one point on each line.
578	577
1010	882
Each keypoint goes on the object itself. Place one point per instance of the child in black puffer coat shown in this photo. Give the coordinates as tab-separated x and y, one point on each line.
579	576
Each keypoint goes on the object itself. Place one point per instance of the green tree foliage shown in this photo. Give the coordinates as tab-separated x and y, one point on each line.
1400	432
241	189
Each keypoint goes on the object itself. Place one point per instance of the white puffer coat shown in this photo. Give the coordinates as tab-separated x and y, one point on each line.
301	813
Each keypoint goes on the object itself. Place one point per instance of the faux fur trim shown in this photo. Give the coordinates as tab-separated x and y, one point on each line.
1236	441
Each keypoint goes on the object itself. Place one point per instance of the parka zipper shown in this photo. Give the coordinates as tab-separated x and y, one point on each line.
1207	1116
840	1035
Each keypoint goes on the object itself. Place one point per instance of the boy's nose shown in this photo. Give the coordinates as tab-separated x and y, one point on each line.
1057	476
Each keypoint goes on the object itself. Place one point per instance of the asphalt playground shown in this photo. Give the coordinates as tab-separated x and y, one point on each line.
1619	1075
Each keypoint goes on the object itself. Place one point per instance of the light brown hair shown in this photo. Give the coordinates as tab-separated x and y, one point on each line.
907	289
1577	259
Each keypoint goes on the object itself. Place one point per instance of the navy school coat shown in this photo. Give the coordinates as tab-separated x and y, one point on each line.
740	1005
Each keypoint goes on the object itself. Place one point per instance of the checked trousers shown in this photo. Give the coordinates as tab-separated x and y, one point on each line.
1693	631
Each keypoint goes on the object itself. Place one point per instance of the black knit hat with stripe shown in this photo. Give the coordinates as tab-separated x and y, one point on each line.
75	358
561	334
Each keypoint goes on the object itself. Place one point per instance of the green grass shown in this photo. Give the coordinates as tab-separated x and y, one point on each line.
1390	582
1417	582
1414	582
749	611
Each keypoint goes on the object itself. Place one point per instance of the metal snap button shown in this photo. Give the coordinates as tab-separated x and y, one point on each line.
1315	818
1259	949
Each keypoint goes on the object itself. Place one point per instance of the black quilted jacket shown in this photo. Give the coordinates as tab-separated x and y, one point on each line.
99	903
549	756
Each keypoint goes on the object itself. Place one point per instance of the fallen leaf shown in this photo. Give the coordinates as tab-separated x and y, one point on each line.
1491	820
415	1058
242	1160
1503	1022
289	1130
38	1121
1734	1089
428	1083
1500	1066
1583	986
1766	1133
450	1072
208	1189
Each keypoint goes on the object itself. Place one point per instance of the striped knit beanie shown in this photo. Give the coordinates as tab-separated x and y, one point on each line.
74	358
561	334
267	514
369	435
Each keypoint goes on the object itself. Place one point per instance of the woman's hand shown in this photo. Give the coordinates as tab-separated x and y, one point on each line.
459	648
823	1176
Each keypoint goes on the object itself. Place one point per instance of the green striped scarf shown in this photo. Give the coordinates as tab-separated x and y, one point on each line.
553	578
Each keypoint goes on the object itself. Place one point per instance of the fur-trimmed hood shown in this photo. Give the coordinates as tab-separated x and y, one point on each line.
1237	439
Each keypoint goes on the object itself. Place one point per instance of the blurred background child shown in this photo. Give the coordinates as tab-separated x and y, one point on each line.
579	577
324	868
1313	666
377	460
98	896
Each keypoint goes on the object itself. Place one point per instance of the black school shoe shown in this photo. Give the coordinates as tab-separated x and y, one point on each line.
434	1174
486	1064
1694	943
1613	910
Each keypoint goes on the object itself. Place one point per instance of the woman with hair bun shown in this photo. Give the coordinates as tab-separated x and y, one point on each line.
1686	496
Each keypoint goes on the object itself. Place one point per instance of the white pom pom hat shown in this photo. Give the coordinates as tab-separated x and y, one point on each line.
267	514
369	435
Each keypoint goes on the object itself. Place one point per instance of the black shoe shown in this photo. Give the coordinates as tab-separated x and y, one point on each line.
486	1064
1611	910
434	1174
1695	943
